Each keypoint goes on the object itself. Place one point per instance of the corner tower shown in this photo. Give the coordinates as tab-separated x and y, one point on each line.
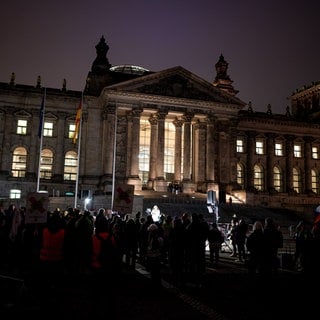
100	75
222	80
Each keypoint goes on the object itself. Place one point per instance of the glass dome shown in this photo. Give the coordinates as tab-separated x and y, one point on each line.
129	69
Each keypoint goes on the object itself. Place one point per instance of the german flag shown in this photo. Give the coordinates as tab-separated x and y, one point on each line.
77	123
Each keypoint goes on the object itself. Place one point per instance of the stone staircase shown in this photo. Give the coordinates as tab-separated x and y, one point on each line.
176	205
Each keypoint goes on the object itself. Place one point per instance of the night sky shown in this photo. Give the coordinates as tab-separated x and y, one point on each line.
272	47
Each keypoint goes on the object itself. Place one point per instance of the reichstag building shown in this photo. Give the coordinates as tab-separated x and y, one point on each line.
154	130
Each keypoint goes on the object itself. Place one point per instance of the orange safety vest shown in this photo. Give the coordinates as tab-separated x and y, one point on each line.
52	245
96	249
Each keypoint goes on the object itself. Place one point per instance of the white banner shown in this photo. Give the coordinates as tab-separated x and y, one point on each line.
123	198
37	207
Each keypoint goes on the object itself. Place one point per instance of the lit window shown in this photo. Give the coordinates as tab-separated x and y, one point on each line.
314	181
240	175
22	127
278	149
70	166
258	181
297	151
240	145
259	147
46	164
15	194
48	129
315	153
19	162
296	180
277	179
72	129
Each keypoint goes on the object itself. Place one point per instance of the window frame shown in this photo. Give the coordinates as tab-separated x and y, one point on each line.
278	149
22	127
240	145
48	132
297	150
18	167
259	147
315	152
258	177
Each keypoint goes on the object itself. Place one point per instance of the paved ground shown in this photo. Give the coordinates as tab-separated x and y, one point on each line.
226	293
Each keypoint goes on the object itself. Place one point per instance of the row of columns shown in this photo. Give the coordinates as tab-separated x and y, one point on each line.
202	141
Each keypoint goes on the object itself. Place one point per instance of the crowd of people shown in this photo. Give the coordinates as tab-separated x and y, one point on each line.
259	247
71	243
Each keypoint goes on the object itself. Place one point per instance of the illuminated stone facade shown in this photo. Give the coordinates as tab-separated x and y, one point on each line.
220	142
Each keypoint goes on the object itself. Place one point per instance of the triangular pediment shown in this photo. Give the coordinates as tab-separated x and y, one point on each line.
176	82
23	114
50	116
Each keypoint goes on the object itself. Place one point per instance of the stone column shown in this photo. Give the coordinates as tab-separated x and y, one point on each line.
153	150
307	164
135	141
178	150
233	133
250	152
187	147
289	163
160	152
7	123
210	150
129	144
34	149
83	147
60	156
3	160
199	153
270	157
108	140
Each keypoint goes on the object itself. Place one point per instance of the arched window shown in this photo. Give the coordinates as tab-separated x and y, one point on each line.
46	164
277	179
296	180
258	180
19	162
314	181
70	166
240	175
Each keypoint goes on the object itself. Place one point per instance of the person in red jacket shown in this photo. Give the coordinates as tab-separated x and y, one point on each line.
101	237
103	266
52	250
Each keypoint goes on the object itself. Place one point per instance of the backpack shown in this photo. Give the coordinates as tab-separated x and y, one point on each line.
107	256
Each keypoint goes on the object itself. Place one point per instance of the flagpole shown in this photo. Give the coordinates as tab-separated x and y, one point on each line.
79	149
114	157
41	119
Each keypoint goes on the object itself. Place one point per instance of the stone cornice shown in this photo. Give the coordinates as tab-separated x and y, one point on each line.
198	105
267	122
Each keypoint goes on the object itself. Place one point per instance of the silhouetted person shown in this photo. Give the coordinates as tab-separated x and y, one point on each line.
215	239
240	238
273	239
154	254
256	250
